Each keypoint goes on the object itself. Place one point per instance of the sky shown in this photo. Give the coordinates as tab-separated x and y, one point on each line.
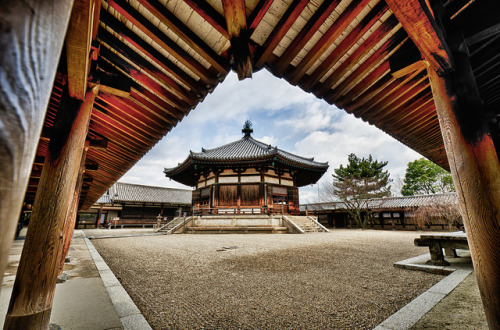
282	115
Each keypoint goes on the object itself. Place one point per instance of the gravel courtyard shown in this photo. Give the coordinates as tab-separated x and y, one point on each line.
341	279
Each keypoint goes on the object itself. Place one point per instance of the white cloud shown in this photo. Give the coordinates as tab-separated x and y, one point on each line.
282	115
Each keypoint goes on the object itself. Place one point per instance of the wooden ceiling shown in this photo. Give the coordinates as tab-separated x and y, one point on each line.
156	60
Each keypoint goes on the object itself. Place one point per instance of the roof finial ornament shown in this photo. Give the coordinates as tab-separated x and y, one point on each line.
247	128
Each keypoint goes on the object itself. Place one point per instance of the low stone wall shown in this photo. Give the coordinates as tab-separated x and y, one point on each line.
237	224
237	221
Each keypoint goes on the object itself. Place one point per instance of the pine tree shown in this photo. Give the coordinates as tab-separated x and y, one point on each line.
358	182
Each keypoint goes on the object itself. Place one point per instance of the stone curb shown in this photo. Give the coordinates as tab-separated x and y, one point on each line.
410	314
124	235
129	314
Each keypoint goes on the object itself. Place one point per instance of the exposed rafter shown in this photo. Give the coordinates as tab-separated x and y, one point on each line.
422	28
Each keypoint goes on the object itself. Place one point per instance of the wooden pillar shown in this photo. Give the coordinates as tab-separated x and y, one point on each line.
31	40
33	292
99	214
69	225
476	173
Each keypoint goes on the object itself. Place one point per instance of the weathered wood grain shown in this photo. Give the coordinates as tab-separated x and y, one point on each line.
31	40
423	30
78	42
234	12
69	223
35	283
475	169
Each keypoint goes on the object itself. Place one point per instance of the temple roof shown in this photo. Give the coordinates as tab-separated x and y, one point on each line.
245	152
134	193
248	148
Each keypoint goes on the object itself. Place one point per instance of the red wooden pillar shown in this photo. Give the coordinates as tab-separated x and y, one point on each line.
476	172
31	40
69	225
31	302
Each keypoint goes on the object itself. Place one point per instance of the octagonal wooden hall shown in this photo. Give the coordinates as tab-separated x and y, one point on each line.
87	87
246	176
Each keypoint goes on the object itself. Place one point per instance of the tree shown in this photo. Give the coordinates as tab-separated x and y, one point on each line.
424	177
357	183
442	210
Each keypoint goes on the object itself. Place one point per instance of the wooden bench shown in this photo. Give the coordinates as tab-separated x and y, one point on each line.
437	242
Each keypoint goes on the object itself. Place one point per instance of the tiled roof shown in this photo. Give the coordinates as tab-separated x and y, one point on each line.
104	199
246	152
133	193
248	148
388	202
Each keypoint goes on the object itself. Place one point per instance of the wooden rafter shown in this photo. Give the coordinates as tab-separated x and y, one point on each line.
184	33
209	14
235	15
367	88
258	13
368	21
424	31
343	21
372	62
172	86
312	26
151	53
393	91
148	28
78	41
358	55
140	79
279	31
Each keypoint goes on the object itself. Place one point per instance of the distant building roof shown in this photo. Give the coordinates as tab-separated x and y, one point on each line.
388	203
134	193
246	151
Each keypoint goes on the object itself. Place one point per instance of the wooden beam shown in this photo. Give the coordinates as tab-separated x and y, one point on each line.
234	12
417	66
101	144
142	80
371	63
354	36
78	41
129	54
311	27
279	31
422	28
152	31
475	169
366	89
258	14
209	14
31	302
357	56
185	34
343	21
154	55
394	91
30	49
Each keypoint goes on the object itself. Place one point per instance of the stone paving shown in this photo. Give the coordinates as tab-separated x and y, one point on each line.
341	279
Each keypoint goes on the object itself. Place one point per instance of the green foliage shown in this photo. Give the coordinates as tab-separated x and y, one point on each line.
359	181
424	177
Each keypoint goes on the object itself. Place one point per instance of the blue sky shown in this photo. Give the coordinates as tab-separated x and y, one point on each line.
282	115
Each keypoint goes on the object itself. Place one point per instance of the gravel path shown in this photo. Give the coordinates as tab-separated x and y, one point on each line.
341	279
